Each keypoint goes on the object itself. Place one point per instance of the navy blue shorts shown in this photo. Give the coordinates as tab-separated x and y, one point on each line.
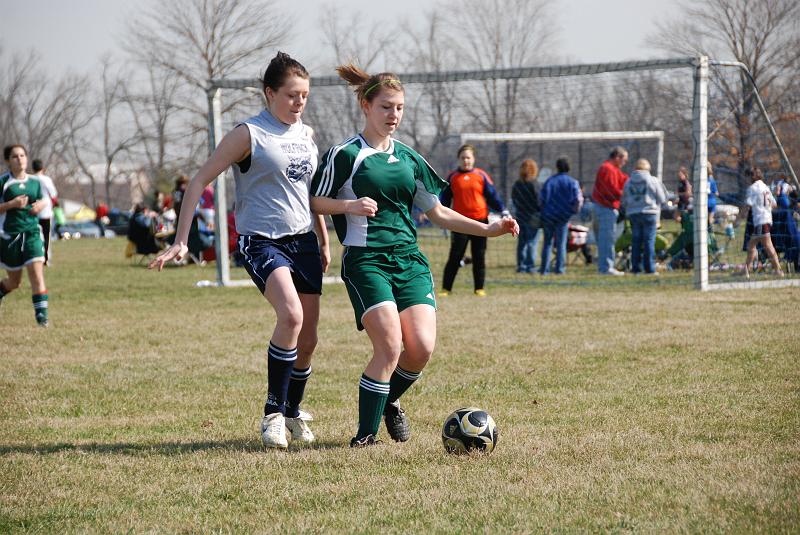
300	253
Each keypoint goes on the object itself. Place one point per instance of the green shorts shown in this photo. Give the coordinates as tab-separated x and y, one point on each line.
18	250
376	277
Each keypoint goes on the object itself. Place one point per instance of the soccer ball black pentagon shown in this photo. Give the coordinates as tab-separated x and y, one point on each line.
468	429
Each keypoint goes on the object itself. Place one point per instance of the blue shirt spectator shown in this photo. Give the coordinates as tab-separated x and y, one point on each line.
560	198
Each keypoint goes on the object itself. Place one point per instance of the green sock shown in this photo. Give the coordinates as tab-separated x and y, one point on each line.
40	307
400	382
371	401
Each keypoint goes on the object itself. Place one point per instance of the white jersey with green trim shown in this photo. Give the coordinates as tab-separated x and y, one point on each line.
396	179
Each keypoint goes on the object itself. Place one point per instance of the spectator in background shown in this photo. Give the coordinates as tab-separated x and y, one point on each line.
713	194
781	190
206	208
759	201
606	196
526	206
177	195
141	230
50	195
560	199
101	218
684	190
471	192
58	217
642	198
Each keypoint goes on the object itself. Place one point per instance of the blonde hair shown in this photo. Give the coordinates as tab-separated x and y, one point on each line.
642	165
529	170
367	86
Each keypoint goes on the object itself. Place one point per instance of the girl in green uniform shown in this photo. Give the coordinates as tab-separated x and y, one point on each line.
21	242
369	184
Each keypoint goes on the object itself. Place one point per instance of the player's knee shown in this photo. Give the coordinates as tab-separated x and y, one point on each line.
306	345
419	355
291	319
11	284
389	350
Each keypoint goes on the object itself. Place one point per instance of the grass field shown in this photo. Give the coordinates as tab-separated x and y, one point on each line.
632	407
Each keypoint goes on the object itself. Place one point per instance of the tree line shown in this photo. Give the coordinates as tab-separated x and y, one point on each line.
144	111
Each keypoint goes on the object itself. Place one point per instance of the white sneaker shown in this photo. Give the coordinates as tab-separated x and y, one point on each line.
303	415
273	431
299	430
615	272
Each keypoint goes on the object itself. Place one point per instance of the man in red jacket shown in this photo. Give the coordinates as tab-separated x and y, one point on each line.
606	197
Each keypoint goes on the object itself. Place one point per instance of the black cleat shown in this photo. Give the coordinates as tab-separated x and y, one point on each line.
396	422
363	442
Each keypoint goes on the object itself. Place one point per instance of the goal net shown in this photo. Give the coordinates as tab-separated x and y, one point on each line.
675	113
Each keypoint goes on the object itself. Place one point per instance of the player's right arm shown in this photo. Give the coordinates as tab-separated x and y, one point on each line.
331	174
18	202
233	148
325	206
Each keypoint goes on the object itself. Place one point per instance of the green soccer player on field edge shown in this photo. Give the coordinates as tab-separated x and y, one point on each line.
21	241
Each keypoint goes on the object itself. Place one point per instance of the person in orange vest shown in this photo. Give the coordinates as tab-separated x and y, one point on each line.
470	193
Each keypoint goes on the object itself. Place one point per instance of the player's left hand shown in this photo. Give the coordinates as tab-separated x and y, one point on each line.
37	207
504	225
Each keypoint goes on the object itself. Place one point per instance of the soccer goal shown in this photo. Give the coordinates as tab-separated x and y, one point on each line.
675	112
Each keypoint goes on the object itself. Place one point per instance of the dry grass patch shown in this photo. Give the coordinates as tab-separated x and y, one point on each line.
627	407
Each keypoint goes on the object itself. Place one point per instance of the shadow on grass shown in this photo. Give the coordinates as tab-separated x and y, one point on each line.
164	448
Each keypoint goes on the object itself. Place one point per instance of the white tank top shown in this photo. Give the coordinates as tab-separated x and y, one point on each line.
272	198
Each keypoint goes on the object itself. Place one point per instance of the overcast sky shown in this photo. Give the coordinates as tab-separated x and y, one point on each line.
74	34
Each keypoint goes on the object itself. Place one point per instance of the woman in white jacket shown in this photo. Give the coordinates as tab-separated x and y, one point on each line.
642	198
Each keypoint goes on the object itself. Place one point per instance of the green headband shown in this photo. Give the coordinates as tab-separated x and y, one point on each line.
387	81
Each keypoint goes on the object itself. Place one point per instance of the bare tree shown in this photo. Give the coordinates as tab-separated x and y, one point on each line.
200	40
429	116
36	110
102	133
489	34
334	112
764	35
157	117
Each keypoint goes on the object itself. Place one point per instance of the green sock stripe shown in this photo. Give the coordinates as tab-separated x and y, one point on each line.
372	396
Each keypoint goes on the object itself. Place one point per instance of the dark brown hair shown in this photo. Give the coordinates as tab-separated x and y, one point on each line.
280	68
8	148
367	86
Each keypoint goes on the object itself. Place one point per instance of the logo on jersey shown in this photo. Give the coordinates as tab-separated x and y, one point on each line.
392	159
299	169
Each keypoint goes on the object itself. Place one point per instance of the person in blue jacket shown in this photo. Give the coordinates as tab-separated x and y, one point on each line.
560	198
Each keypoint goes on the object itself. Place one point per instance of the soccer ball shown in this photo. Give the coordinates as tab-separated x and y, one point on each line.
468	429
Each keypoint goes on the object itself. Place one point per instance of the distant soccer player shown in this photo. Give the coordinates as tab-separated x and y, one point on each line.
471	192
760	201
21	243
274	156
370	183
46	214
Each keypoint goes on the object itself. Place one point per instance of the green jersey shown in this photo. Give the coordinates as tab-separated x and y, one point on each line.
20	219
397	179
